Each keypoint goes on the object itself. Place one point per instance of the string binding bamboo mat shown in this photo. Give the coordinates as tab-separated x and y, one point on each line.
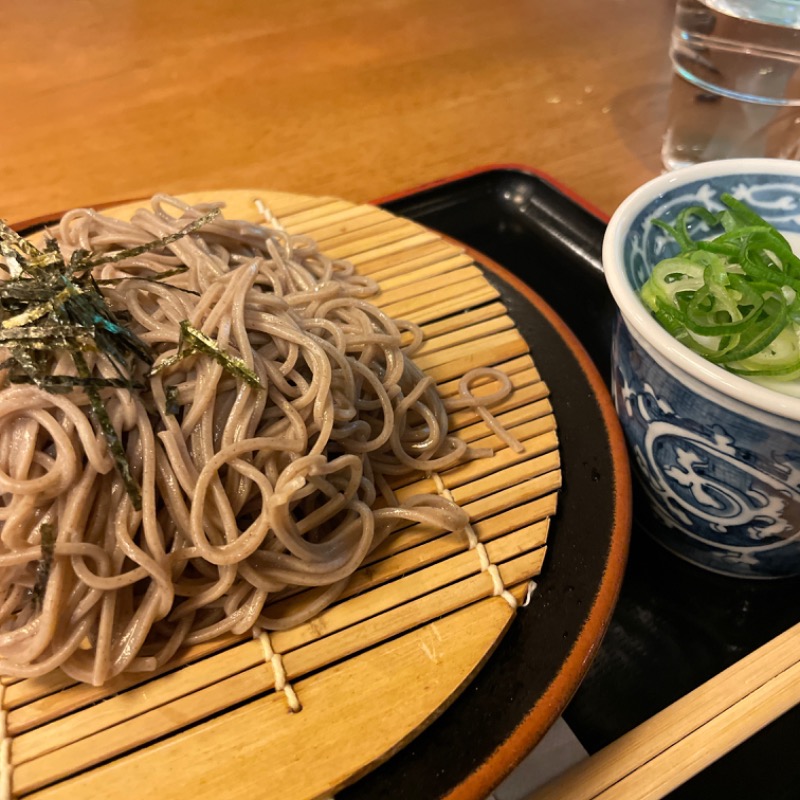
417	621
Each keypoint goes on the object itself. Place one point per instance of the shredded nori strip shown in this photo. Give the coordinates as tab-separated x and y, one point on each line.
152	277
201	343
112	438
172	406
195	341
43	332
49	305
89	263
45	564
11	240
65	383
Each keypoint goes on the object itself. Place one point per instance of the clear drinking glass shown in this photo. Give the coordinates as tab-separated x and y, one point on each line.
736	83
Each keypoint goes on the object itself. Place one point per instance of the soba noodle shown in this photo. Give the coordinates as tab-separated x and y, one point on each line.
249	494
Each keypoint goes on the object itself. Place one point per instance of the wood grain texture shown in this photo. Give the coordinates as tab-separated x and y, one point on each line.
112	100
424	602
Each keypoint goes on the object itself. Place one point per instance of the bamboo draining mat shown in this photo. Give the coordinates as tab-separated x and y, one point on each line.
416	622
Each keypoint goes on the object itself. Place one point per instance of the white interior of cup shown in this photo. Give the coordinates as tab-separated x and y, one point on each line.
632	246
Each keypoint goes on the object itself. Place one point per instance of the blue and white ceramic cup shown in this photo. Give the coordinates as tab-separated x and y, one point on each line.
717	455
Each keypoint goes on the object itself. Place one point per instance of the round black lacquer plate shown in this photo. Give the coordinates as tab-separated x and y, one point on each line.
540	662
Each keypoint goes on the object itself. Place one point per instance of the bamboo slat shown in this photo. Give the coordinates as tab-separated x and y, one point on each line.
424	601
468	333
327	697
433	256
411	257
352	218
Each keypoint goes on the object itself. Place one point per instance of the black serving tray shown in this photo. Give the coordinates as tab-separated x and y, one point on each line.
675	625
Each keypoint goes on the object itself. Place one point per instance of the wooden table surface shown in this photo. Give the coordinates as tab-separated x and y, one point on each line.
356	98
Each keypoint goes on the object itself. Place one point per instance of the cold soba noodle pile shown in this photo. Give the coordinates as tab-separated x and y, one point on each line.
191	428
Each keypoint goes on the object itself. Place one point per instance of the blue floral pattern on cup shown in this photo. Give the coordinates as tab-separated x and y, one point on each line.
725	498
723	477
776	199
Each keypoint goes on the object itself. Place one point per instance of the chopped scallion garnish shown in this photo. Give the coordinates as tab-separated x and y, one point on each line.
734	298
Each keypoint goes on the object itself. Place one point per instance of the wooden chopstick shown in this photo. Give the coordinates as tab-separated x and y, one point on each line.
679	742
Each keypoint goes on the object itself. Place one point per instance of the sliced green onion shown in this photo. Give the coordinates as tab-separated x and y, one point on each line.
734	298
